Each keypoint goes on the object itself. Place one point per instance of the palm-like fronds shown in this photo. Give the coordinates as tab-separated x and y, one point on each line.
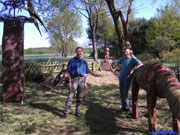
34	16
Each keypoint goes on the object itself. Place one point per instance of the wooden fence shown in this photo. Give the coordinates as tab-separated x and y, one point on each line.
54	67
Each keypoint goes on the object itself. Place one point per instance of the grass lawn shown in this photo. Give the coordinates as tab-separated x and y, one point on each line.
41	115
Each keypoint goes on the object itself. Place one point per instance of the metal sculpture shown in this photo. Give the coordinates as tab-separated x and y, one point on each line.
13	78
106	65
158	81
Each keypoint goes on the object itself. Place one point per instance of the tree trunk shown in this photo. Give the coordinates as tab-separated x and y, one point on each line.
125	30
66	51
95	55
13	61
115	17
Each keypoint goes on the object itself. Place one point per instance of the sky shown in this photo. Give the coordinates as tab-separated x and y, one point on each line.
32	38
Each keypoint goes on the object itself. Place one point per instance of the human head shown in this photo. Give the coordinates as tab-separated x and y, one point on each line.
107	49
127	52
79	52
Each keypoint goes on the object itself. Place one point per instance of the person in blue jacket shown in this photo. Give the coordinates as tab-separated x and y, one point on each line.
127	64
77	72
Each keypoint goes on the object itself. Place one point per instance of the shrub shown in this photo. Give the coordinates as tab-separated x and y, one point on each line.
34	72
172	57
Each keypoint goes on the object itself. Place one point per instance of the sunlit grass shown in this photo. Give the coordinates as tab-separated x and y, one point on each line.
41	115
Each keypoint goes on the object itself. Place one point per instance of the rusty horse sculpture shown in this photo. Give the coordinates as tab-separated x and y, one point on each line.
158	81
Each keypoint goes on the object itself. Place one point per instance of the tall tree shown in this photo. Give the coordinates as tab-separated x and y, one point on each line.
137	34
105	35
115	15
159	45
63	28
91	10
166	24
105	30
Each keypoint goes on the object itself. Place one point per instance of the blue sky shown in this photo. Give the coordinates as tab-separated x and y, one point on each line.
32	38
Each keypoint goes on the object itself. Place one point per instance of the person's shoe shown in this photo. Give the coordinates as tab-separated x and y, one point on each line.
122	110
126	110
78	115
64	115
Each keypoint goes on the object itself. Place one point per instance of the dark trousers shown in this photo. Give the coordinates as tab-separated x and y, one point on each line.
124	85
78	90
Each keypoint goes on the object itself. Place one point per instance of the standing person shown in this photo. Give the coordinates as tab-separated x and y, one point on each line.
128	64
77	72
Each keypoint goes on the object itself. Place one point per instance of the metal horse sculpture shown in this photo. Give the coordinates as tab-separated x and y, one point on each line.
158	81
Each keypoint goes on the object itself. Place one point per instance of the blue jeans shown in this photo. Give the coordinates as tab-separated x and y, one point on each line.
124	85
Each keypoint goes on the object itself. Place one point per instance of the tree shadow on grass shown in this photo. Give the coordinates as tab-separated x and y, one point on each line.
47	108
102	120
101	116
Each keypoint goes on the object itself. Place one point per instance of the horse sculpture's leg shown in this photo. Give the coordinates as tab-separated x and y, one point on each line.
135	90
176	124
151	104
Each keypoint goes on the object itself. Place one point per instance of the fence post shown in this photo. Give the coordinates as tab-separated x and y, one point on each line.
93	66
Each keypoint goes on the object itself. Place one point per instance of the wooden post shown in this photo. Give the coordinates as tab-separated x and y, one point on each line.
13	60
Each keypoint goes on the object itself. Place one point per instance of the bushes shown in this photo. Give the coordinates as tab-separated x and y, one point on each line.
35	73
145	57
172	57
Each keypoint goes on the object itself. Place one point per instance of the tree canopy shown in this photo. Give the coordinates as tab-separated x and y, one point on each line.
63	28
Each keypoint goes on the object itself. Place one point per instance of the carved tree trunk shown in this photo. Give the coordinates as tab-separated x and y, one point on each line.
13	60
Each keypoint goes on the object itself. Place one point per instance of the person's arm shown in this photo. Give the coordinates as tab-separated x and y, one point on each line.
69	75
119	64
85	81
136	67
70	80
85	77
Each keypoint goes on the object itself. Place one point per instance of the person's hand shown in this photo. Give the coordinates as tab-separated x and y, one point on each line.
85	85
70	84
132	71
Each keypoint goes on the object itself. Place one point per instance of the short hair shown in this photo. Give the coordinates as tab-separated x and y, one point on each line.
127	48
79	48
131	51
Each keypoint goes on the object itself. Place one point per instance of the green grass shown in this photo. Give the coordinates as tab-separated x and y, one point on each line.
41	115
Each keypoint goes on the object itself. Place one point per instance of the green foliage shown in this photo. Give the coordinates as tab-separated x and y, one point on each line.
167	24
137	35
172	57
35	73
160	44
40	58
72	47
146	57
30	51
63	27
42	50
105	33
